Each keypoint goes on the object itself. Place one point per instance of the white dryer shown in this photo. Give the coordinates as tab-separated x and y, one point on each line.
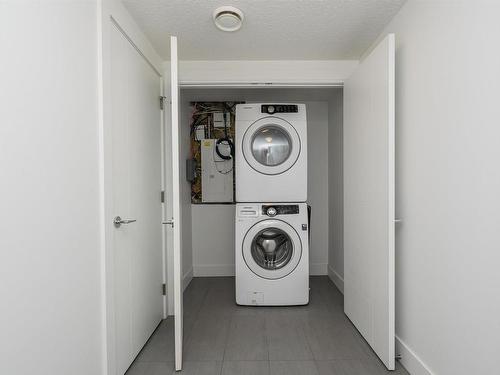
271	153
272	254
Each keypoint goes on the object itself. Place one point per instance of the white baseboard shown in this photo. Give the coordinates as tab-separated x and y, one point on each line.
318	269
186	279
209	270
336	278
410	361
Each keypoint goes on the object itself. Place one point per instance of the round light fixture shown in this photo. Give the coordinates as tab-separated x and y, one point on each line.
228	18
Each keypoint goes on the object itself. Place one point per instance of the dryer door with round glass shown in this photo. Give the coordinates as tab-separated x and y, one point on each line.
271	146
272	249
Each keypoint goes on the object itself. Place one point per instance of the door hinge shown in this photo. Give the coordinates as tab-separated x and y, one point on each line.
162	196
162	101
164	289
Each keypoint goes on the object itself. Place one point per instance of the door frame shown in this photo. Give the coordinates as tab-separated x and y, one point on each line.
186	85
112	14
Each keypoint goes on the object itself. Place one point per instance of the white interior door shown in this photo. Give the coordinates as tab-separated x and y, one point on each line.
369	199
176	208
136	186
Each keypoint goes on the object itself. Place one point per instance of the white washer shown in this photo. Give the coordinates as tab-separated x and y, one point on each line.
271	153
272	254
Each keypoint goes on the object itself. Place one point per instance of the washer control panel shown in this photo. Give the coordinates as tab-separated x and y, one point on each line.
274	210
279	108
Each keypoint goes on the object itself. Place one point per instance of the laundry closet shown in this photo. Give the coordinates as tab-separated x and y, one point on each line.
209	227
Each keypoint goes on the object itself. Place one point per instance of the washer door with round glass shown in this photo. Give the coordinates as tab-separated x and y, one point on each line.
272	249
271	145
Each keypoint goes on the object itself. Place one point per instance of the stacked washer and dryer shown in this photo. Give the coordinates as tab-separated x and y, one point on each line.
272	216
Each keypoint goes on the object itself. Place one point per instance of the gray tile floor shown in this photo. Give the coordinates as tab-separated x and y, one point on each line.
221	338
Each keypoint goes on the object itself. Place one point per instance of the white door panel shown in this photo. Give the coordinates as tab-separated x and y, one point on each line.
369	199
136	184
121	203
176	208
146	205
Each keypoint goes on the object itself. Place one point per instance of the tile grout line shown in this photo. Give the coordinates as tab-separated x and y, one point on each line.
267	342
306	336
316	366
195	318
225	344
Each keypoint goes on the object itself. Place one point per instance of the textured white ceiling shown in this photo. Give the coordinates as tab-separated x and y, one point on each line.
272	29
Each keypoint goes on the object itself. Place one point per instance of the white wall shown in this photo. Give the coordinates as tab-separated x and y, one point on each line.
262	72
336	190
50	315
448	186
317	184
213	240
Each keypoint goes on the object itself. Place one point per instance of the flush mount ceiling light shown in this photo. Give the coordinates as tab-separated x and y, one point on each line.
228	18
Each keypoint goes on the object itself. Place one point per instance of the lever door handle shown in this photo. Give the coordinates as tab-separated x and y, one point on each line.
118	221
398	220
169	222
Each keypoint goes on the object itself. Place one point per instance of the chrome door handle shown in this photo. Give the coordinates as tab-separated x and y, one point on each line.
118	221
398	220
169	222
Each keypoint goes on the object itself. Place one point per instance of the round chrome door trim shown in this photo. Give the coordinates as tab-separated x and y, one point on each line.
289	130
246	249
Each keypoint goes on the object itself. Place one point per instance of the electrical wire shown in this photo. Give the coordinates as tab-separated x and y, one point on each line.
216	162
202	114
228	141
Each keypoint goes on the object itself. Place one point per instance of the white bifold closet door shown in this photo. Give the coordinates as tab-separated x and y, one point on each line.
369	199
134	213
176	205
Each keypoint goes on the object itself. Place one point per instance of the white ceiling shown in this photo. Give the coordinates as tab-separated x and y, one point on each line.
272	29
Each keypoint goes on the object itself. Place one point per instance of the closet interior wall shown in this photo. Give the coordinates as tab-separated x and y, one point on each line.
208	229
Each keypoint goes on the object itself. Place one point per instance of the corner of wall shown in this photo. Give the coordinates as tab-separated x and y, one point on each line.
410	360
335	179
318	269
213	270
336	279
187	278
